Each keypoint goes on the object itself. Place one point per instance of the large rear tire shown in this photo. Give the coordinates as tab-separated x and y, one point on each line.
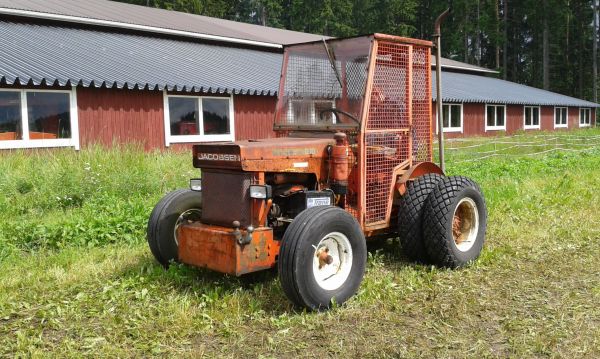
322	258
410	216
454	222
175	208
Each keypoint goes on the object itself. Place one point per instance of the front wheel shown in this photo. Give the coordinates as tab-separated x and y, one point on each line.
322	257
170	212
454	222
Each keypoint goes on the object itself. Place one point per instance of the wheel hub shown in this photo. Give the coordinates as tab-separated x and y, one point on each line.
189	216
332	261
465	224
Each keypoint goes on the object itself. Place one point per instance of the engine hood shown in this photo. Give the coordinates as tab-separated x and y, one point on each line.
270	155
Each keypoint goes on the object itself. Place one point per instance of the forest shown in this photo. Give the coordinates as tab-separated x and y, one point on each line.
549	44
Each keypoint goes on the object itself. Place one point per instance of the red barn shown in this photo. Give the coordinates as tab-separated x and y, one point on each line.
74	73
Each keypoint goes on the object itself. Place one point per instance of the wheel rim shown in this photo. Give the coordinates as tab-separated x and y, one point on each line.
191	215
465	224
332	261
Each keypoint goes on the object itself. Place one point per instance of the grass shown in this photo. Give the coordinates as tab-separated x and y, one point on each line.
77	279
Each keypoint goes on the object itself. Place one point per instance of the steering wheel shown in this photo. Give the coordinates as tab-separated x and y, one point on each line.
337	112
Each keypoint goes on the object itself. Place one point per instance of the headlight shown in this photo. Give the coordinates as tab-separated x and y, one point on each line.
260	192
196	184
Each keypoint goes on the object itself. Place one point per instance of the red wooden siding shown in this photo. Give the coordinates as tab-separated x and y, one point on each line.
515	119
109	116
474	120
546	118
254	116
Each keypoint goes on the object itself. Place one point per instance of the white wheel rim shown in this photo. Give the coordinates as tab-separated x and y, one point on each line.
332	276
186	217
465	224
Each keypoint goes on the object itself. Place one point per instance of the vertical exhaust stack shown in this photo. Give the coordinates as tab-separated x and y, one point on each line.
437	36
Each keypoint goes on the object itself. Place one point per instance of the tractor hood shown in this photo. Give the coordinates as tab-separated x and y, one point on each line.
267	155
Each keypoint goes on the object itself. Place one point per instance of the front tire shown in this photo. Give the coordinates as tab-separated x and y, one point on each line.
454	222
322	258
172	210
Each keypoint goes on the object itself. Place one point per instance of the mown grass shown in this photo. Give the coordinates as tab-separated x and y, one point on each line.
96	291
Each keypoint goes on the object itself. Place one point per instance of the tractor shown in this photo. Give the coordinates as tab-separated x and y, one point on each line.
352	161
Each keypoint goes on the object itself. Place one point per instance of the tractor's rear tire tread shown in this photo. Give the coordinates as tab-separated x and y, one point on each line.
410	216
436	217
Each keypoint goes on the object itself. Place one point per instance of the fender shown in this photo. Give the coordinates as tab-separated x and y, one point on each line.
415	171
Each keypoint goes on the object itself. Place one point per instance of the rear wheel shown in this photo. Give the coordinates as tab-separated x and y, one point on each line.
454	222
174	209
322	257
410	216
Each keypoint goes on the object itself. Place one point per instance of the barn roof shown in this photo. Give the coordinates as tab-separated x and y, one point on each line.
460	87
53	55
134	17
44	54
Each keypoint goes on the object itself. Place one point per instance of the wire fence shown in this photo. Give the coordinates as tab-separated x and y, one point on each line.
520	145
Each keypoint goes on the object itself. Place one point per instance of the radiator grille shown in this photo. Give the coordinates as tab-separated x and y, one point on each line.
225	197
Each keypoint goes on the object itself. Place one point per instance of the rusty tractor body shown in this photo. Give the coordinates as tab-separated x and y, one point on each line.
354	130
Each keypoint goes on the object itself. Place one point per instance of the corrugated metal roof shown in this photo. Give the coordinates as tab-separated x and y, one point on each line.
41	54
457	87
461	66
122	13
45	54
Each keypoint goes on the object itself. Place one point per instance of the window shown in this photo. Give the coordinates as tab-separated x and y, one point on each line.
311	111
38	118
561	117
198	119
453	118
532	117
585	117
495	117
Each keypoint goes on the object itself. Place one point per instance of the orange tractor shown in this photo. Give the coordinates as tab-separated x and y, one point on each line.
352	161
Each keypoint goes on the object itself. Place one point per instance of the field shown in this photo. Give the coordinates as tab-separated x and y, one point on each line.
77	278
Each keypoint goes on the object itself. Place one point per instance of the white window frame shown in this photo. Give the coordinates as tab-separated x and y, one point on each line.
171	139
589	111
451	129
494	128
26	142
560	125
531	127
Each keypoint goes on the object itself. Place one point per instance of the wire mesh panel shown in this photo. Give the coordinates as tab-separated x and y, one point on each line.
399	119
421	104
387	129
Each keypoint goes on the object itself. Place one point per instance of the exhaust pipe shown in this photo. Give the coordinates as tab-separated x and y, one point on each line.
437	36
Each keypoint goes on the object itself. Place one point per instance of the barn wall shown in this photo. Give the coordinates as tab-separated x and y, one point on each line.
474	120
547	118
110	116
514	119
254	116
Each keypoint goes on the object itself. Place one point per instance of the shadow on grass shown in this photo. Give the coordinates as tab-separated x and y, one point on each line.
264	284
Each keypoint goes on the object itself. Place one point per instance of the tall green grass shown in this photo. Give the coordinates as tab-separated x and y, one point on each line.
534	292
58	198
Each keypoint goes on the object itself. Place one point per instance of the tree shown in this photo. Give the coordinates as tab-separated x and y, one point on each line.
543	43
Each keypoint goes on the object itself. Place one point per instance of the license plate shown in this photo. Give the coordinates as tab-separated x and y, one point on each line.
318	201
